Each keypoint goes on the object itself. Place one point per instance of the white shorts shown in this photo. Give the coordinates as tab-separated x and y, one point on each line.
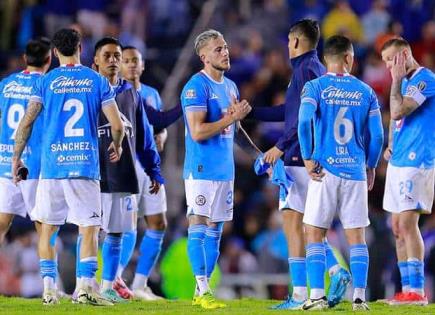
212	199
75	201
17	199
147	203
336	195
297	192
409	188
118	212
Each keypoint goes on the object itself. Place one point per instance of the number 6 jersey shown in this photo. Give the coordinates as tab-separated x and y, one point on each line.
72	97
15	91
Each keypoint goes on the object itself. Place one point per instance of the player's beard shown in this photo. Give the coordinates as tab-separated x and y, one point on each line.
222	68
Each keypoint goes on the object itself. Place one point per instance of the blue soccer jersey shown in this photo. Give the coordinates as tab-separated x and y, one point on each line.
342	106
414	135
72	97
150	96
211	159
15	92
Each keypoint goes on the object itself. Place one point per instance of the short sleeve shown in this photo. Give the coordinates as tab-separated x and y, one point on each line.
421	87
107	93
37	89
194	96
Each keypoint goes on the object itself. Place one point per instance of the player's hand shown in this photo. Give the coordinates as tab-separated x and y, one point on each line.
272	155
315	170
160	140
16	165
398	70
115	153
371	174
154	187
239	110
387	154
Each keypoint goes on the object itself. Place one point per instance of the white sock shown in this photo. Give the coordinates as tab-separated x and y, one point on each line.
359	293
49	283
418	291
406	288
316	294
87	282
106	285
299	294
139	282
119	271
333	270
202	283
78	283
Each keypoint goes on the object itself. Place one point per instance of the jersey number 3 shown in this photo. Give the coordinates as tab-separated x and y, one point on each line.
343	124
77	106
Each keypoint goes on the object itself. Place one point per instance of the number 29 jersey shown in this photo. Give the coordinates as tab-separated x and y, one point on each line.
71	97
343	105
15	91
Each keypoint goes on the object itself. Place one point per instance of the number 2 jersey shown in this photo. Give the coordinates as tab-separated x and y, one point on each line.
213	158
15	91
72	97
343	105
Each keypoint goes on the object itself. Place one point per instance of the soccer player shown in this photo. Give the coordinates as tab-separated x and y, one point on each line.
211	109
409	187
341	108
302	42
117	197
15	91
70	99
151	206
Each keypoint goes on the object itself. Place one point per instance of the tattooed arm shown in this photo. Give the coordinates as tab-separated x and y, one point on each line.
23	132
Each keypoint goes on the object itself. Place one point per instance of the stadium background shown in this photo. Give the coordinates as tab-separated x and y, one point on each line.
253	258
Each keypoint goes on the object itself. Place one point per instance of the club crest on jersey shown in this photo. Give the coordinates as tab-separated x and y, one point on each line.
191	93
200	200
421	86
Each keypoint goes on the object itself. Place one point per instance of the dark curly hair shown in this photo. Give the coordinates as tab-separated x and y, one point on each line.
67	41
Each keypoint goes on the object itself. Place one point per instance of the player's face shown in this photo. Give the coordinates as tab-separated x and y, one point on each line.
132	64
108	60
291	45
216	54
389	54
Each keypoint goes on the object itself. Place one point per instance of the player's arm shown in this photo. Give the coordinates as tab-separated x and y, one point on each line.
23	133
117	130
389	150
376	133
161	120
201	130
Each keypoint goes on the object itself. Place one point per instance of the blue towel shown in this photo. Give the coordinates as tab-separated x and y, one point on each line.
279	176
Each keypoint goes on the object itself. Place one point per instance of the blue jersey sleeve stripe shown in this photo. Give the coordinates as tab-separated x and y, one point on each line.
196	108
110	101
309	100
414	93
35	98
374	112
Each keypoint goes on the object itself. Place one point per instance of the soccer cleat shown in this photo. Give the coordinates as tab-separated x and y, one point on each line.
112	296
338	286
146	294
397	299
50	297
207	301
121	288
89	296
360	305
409	298
288	304
317	304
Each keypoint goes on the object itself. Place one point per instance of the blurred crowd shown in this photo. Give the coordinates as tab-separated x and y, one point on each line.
256	31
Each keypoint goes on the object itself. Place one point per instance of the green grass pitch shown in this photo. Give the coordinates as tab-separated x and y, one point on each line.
9	306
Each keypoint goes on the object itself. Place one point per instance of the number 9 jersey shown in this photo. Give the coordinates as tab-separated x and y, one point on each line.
15	91
72	97
343	105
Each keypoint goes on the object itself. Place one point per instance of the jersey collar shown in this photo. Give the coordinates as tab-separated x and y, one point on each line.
70	65
299	59
338	74
211	79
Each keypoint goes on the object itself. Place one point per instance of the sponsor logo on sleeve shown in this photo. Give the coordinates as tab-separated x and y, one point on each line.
189	94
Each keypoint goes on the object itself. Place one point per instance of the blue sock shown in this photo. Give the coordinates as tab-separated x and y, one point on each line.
195	249
150	248
127	249
404	274
48	268
359	265
316	264
78	245
416	274
331	261
88	267
298	272
111	253
211	246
